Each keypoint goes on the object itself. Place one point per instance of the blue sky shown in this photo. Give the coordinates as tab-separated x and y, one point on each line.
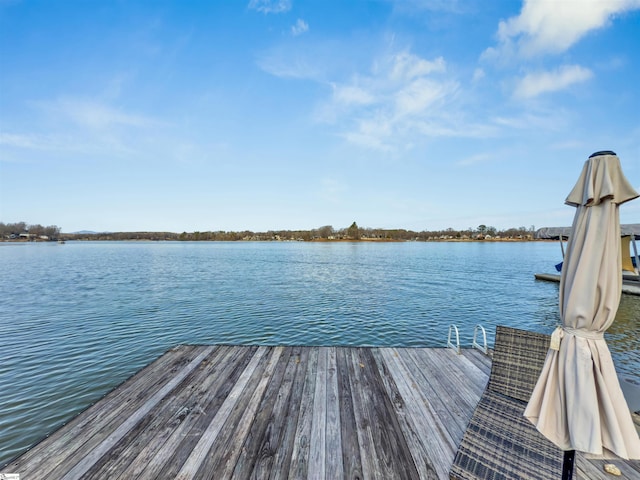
290	114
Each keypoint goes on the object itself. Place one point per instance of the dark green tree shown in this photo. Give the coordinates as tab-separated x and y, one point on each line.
353	232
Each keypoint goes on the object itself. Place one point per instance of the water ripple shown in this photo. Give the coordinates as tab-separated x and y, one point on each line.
77	320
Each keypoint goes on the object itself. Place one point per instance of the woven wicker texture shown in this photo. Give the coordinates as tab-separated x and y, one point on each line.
518	359
499	443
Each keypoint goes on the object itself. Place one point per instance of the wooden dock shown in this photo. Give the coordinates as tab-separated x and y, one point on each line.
277	412
628	286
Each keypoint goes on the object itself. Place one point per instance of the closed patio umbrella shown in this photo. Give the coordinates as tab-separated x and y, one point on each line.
577	402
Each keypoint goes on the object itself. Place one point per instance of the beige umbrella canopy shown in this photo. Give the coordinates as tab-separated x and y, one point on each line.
577	402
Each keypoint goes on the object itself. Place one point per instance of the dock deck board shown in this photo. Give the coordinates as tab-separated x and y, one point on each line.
278	412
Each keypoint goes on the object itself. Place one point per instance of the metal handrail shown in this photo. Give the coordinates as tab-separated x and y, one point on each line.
483	348
635	251
455	347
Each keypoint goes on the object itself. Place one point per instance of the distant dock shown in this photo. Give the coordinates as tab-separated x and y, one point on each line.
278	412
631	289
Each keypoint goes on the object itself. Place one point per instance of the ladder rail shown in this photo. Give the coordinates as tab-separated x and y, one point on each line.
456	346
483	348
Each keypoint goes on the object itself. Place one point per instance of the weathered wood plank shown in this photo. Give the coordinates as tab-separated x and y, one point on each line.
458	369
351	461
256	454
430	447
440	371
98	451
40	459
270	423
223	454
169	419
479	359
282	456
237	458
451	403
590	469
71	445
209	436
317	441
299	467
162	456
278	412
334	467
364	434
387	443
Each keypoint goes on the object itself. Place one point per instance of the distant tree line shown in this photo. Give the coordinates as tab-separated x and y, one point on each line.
324	233
23	231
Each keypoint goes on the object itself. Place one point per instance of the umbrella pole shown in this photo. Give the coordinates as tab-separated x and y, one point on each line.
567	464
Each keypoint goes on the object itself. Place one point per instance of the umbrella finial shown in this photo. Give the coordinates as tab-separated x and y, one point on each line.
602	152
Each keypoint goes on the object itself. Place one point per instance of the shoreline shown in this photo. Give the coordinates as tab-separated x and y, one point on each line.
86	238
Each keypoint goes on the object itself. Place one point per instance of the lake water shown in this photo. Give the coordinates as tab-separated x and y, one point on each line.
78	319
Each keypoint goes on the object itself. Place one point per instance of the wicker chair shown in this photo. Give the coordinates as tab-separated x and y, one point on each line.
499	443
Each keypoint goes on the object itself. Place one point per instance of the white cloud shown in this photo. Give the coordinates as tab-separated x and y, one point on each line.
443	125
82	126
403	100
23	141
402	97
45	142
351	95
406	66
478	74
373	133
420	95
550	26
552	120
299	28
293	66
115	86
534	84
97	115
475	160
270	6
72	144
